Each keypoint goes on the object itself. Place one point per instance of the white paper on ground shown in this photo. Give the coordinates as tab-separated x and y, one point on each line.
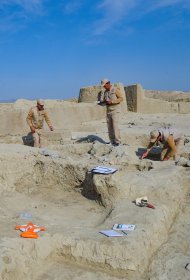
103	170
111	233
123	227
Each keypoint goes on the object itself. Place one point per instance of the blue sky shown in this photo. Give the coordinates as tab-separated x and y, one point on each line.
50	48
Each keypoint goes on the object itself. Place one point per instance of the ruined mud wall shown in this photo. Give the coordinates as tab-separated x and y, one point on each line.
171	96
137	101
92	94
62	114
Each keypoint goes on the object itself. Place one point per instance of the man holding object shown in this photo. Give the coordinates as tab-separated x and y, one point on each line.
112	98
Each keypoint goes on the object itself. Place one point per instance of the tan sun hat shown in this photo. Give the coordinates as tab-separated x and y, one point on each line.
40	102
104	81
154	135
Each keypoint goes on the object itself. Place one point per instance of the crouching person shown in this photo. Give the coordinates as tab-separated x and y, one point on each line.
35	120
172	141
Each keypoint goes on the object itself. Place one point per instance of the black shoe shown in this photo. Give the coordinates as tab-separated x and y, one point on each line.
115	144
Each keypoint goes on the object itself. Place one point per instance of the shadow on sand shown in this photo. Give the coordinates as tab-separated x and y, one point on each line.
91	139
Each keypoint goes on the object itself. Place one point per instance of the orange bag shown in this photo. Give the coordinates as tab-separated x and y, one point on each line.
30	230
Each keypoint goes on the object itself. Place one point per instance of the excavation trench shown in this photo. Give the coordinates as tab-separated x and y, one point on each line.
75	205
56	195
63	197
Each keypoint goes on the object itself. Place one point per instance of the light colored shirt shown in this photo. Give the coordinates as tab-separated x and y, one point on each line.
113	95
36	118
170	136
167	131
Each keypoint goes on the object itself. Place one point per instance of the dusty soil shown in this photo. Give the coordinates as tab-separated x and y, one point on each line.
60	193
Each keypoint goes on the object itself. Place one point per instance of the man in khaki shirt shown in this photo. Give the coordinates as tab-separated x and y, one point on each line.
172	141
35	120
112	99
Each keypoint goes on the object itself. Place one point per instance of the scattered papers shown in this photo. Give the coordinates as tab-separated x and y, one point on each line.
123	227
103	170
111	233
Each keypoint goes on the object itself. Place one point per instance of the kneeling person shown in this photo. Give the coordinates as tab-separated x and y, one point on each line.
171	139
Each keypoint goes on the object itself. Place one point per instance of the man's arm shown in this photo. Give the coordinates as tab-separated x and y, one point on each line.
29	120
47	119
150	146
119	97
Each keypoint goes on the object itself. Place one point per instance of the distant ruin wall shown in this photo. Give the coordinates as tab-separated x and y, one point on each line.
67	115
131	96
171	96
92	94
89	94
138	102
136	99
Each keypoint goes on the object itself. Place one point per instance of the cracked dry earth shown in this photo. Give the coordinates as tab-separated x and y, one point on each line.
74	205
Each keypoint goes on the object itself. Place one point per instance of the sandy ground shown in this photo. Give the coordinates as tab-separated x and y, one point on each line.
61	194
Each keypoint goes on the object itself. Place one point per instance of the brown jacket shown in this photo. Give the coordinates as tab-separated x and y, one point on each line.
36	118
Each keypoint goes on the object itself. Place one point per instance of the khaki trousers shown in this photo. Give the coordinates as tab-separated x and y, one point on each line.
113	126
38	138
179	143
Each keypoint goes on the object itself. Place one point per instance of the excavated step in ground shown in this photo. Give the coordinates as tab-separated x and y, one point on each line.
75	205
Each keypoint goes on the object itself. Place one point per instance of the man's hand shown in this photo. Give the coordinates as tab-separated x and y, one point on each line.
32	129
108	102
166	158
51	128
145	154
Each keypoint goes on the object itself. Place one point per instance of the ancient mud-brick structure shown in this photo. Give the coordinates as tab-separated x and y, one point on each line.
136	99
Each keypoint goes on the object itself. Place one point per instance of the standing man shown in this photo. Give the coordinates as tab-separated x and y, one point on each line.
112	98
35	120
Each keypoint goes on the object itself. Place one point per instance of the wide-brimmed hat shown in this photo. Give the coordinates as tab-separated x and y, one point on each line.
154	135
104	81
40	102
